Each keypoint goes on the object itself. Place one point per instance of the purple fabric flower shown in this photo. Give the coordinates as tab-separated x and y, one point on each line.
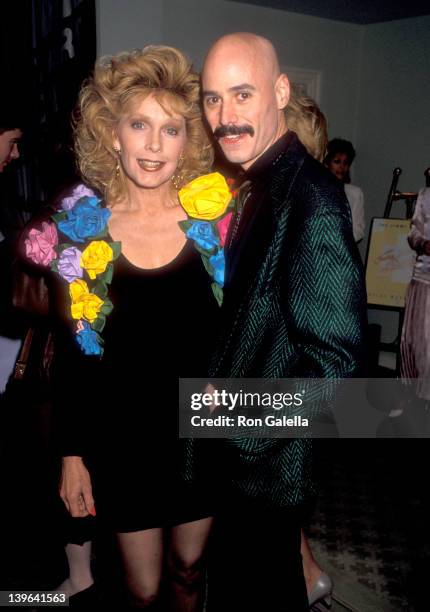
79	192
69	264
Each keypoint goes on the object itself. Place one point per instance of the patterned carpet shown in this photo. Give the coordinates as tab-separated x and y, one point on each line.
370	528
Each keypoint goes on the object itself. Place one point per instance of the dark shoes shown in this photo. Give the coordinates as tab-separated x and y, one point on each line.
88	599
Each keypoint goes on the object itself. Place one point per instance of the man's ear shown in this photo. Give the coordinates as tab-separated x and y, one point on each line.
282	91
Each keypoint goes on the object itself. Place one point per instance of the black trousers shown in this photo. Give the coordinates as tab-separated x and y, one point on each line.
254	561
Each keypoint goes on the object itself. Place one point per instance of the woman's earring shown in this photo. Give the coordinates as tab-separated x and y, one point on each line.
118	167
178	178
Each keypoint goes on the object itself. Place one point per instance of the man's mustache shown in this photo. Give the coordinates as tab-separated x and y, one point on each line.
232	130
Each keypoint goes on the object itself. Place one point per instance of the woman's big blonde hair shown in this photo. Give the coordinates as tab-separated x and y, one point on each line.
306	119
119	82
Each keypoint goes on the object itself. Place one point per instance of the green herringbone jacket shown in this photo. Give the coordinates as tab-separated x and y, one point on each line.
294	305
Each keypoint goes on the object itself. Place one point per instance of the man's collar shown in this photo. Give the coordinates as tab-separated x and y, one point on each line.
267	160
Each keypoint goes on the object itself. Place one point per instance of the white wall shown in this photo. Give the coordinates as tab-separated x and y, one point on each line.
192	25
301	41
125	24
393	123
394	108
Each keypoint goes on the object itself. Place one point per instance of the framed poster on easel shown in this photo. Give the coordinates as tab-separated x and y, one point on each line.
389	263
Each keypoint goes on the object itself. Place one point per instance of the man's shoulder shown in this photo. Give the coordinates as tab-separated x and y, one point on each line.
314	174
312	184
300	169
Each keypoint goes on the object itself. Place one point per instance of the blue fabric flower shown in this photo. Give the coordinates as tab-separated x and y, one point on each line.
203	233
85	220
217	261
88	340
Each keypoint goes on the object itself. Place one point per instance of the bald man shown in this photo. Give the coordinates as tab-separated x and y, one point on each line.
294	307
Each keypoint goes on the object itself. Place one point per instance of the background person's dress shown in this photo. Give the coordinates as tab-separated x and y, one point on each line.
121	412
415	344
356	203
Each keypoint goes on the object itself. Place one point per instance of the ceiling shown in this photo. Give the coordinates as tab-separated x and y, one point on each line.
352	11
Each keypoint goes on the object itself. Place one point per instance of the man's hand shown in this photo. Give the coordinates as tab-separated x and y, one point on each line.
210	389
75	487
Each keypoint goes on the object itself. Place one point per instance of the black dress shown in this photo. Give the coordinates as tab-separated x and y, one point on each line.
120	412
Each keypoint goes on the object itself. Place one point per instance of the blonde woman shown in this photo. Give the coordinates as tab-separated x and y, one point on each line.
135	312
308	121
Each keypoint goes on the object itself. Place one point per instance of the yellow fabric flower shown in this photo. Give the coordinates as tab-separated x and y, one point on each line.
206	197
85	305
96	257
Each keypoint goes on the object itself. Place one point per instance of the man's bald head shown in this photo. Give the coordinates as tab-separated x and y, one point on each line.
257	49
244	95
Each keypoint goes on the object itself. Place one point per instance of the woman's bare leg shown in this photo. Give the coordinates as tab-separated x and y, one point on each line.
311	569
186	565
142	556
80	575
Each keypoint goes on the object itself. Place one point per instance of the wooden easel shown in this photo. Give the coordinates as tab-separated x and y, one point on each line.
410	197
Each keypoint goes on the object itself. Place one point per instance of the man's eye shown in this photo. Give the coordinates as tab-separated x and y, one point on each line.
244	95
212	100
171	131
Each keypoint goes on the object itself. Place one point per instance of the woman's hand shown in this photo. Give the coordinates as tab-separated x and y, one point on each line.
75	487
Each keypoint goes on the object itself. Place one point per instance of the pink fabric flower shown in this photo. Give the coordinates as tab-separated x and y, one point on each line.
79	192
223	226
39	246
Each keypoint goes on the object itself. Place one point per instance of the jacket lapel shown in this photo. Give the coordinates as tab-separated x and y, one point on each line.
256	228
248	241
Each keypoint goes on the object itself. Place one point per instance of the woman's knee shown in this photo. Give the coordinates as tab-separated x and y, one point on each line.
187	572
142	593
142	598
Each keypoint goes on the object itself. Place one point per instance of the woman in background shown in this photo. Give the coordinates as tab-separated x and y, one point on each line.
339	157
415	343
308	121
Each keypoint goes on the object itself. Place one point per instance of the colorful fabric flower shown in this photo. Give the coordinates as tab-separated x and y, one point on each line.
96	257
203	233
69	264
89	340
206	197
39	245
222	227
85	220
79	192
231	183
217	262
85	305
208	202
